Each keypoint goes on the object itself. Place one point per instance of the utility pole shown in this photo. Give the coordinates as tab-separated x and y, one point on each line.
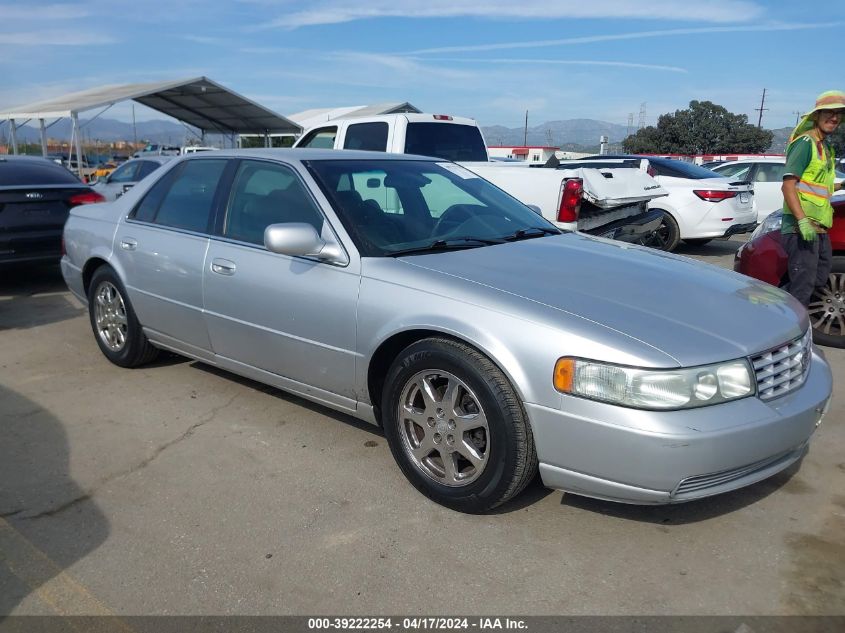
630	124
797	114
760	109
134	131
641	122
525	135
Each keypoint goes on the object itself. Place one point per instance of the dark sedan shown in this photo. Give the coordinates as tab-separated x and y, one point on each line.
36	196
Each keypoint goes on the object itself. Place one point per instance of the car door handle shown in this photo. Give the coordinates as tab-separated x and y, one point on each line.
222	267
128	244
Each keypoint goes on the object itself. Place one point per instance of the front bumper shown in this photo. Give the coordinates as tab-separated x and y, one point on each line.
631	229
646	457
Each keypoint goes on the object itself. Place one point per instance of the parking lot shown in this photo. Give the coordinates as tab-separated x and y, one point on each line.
180	489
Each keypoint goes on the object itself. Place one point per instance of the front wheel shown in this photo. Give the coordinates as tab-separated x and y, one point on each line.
456	426
116	328
827	308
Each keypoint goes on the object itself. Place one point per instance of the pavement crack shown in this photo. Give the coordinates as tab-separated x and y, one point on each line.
53	511
208	417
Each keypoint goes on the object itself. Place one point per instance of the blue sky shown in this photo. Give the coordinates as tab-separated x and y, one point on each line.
491	60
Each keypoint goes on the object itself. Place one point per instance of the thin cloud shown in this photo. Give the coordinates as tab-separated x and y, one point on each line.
44	11
339	11
563	62
590	39
55	38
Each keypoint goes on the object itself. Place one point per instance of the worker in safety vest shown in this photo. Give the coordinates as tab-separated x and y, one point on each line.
807	187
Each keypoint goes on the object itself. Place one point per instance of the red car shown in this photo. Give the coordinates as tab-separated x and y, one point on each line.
763	257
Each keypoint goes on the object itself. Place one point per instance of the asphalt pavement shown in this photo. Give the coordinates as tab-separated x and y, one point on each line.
180	489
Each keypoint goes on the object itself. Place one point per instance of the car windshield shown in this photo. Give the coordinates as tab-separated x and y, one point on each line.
393	207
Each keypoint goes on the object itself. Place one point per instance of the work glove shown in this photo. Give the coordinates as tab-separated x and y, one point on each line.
808	231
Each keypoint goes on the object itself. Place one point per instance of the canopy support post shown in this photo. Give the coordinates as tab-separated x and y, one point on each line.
13	130
75	136
43	138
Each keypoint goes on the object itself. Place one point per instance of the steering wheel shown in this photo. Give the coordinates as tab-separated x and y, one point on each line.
451	218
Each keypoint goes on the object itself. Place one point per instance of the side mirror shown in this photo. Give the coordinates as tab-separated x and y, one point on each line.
299	239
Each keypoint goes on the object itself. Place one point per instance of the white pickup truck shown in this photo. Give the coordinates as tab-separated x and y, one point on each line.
606	202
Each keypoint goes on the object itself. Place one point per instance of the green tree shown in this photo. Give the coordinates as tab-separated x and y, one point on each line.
703	128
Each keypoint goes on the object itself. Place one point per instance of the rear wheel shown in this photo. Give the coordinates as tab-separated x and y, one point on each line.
116	328
456	426
827	308
667	235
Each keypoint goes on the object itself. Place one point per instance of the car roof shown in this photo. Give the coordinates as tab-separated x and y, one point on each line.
304	153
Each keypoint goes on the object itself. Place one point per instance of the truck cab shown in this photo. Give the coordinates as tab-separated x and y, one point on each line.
606	204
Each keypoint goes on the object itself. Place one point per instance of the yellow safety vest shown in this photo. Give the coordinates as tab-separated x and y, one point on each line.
815	186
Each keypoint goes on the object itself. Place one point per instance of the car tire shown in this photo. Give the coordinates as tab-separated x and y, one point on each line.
827	308
456	426
116	328
667	236
698	241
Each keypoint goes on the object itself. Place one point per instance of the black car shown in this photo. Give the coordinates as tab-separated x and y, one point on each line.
36	196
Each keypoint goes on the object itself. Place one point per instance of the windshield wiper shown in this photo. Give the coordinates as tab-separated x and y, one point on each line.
451	244
529	233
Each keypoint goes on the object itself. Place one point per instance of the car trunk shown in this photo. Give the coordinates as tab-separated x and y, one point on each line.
32	218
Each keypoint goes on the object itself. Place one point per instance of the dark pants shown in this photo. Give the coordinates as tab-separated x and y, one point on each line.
809	264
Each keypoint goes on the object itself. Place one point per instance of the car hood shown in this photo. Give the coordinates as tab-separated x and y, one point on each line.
694	312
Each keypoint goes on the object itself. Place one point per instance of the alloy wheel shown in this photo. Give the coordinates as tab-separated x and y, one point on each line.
827	308
110	316
443	428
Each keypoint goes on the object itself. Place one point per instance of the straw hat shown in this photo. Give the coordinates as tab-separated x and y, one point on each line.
829	100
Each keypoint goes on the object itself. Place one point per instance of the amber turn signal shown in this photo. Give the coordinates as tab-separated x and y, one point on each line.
564	374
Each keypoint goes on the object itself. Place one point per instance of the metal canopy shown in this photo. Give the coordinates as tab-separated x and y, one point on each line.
198	102
316	116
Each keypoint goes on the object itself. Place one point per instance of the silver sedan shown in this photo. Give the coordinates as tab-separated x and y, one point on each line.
487	344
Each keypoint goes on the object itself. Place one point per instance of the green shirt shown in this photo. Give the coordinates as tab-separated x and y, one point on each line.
798	156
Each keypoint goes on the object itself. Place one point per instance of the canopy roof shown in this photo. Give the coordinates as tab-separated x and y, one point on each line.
316	116
199	102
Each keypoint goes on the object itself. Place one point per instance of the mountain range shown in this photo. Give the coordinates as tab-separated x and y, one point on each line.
571	134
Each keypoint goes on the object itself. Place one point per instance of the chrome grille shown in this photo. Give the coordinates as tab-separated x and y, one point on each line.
784	368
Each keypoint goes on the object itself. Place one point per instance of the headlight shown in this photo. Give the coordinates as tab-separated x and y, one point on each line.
772	222
684	388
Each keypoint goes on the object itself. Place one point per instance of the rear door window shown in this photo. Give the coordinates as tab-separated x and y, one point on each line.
189	200
367	136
